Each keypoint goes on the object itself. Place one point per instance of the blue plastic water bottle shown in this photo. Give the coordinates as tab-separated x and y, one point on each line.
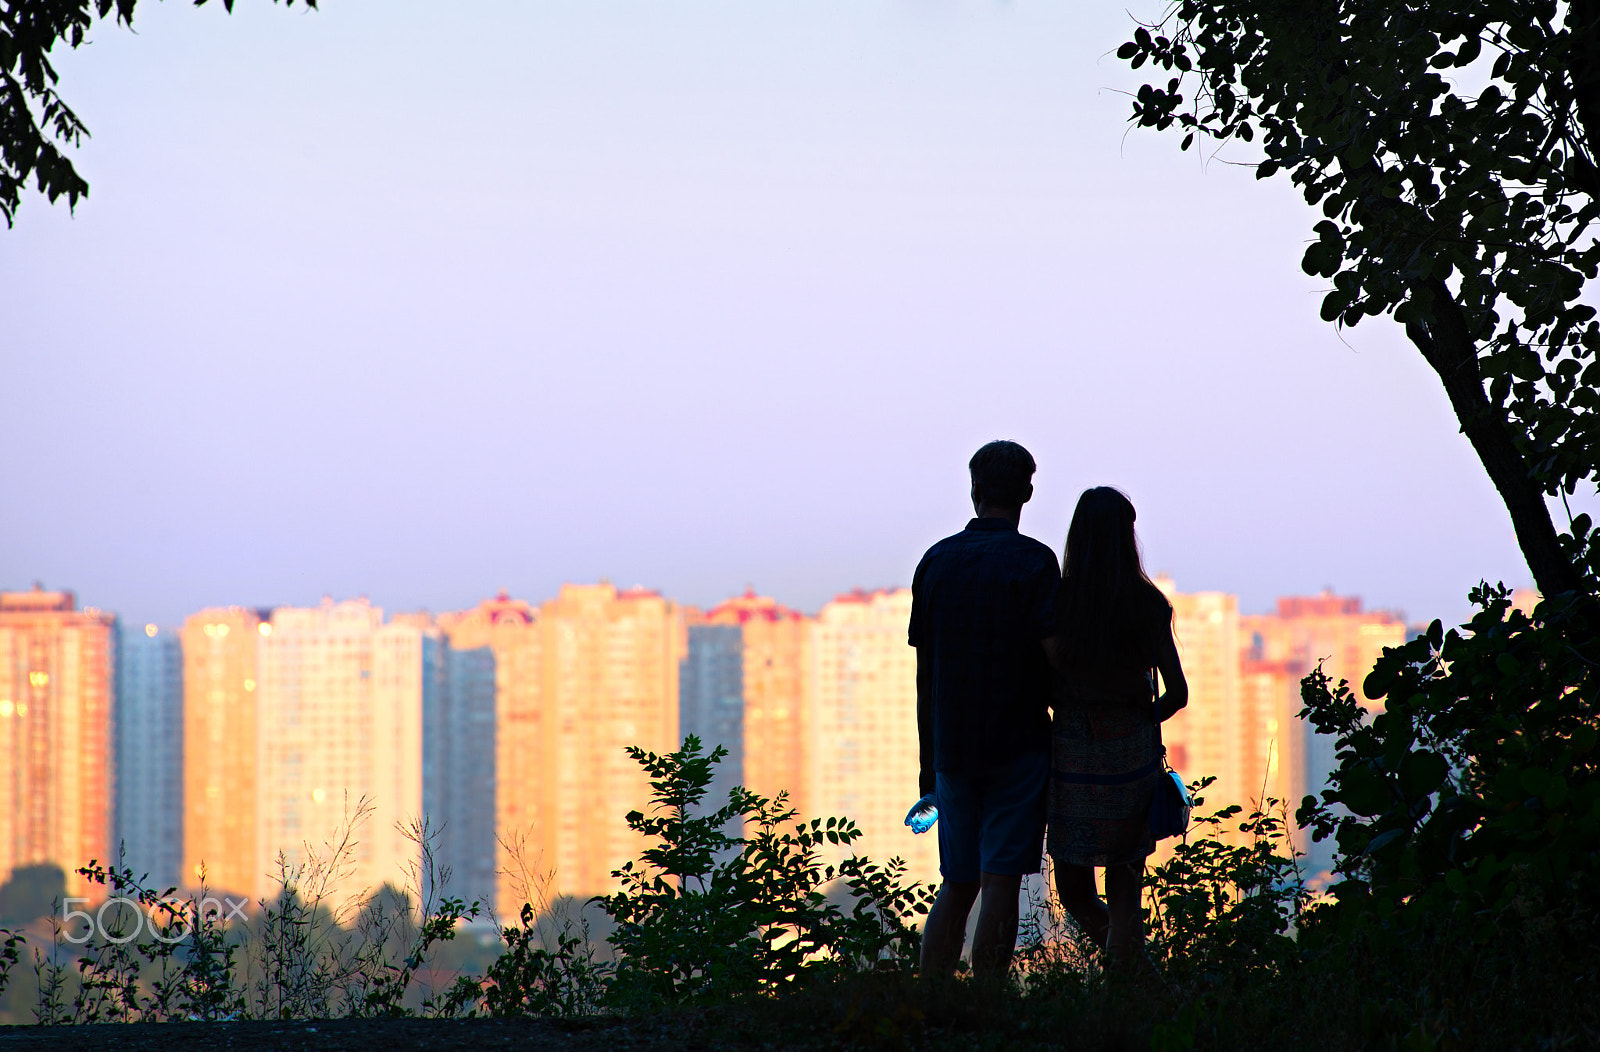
922	815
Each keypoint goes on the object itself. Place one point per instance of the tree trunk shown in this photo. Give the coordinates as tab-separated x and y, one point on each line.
1446	343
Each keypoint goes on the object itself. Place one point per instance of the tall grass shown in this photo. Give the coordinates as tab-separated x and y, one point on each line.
309	952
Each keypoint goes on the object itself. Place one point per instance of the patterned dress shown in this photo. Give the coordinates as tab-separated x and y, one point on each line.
1105	762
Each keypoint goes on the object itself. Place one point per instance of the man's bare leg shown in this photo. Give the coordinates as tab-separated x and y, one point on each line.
995	939
946	929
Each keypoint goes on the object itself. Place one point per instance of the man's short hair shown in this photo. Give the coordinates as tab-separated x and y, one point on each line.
1003	472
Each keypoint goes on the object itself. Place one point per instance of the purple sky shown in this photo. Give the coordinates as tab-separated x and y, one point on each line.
418	301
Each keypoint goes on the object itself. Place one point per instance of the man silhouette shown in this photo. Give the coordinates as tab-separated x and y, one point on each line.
982	602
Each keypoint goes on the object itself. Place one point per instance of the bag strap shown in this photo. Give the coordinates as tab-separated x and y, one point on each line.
1155	697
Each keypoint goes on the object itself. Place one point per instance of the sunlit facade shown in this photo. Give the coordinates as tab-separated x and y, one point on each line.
56	680
149	754
861	756
494	676
340	701
743	687
219	755
1242	723
1273	741
1327	628
1281	648
610	679
1206	737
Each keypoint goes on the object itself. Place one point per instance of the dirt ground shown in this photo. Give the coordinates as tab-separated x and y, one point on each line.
356	1035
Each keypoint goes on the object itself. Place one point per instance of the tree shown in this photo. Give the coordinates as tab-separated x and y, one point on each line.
32	892
35	121
1453	147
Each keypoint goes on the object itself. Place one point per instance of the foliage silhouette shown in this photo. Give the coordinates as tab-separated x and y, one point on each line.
1467	821
1479	783
1466	215
35	121
705	915
31	892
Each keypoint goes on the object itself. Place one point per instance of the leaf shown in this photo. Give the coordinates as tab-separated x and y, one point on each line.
1365	792
1421	773
1383	840
1311	262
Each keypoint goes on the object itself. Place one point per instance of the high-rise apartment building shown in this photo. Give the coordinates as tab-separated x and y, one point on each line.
1327	628
862	754
1278	650
149	754
1205	738
1272	739
743	688
1241	724
483	749
219	749
340	700
56	678
610	679
711	701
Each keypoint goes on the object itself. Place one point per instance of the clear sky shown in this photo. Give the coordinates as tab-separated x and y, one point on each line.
417	301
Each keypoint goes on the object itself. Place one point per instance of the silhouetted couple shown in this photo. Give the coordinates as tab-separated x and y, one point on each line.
1004	639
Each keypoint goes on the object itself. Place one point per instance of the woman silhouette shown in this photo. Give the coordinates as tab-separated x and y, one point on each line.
1115	626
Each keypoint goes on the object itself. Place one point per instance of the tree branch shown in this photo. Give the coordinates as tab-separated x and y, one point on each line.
1583	23
1446	342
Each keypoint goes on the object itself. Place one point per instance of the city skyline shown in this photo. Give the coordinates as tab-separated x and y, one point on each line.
227	750
748	590
707	311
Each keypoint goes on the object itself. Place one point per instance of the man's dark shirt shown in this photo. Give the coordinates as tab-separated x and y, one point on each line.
981	602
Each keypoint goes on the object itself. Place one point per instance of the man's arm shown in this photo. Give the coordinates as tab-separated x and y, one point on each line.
924	722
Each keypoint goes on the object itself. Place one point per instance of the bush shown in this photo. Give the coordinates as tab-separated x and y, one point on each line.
705	915
1223	912
1467	819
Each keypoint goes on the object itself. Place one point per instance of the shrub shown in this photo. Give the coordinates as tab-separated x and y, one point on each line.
1222	911
707	915
1467	820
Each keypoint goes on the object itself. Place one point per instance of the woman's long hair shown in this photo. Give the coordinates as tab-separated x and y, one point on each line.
1106	601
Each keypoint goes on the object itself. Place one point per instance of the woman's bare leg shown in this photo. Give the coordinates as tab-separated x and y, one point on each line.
1125	934
1075	888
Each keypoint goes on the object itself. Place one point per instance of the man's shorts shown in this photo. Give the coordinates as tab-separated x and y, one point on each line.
992	822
